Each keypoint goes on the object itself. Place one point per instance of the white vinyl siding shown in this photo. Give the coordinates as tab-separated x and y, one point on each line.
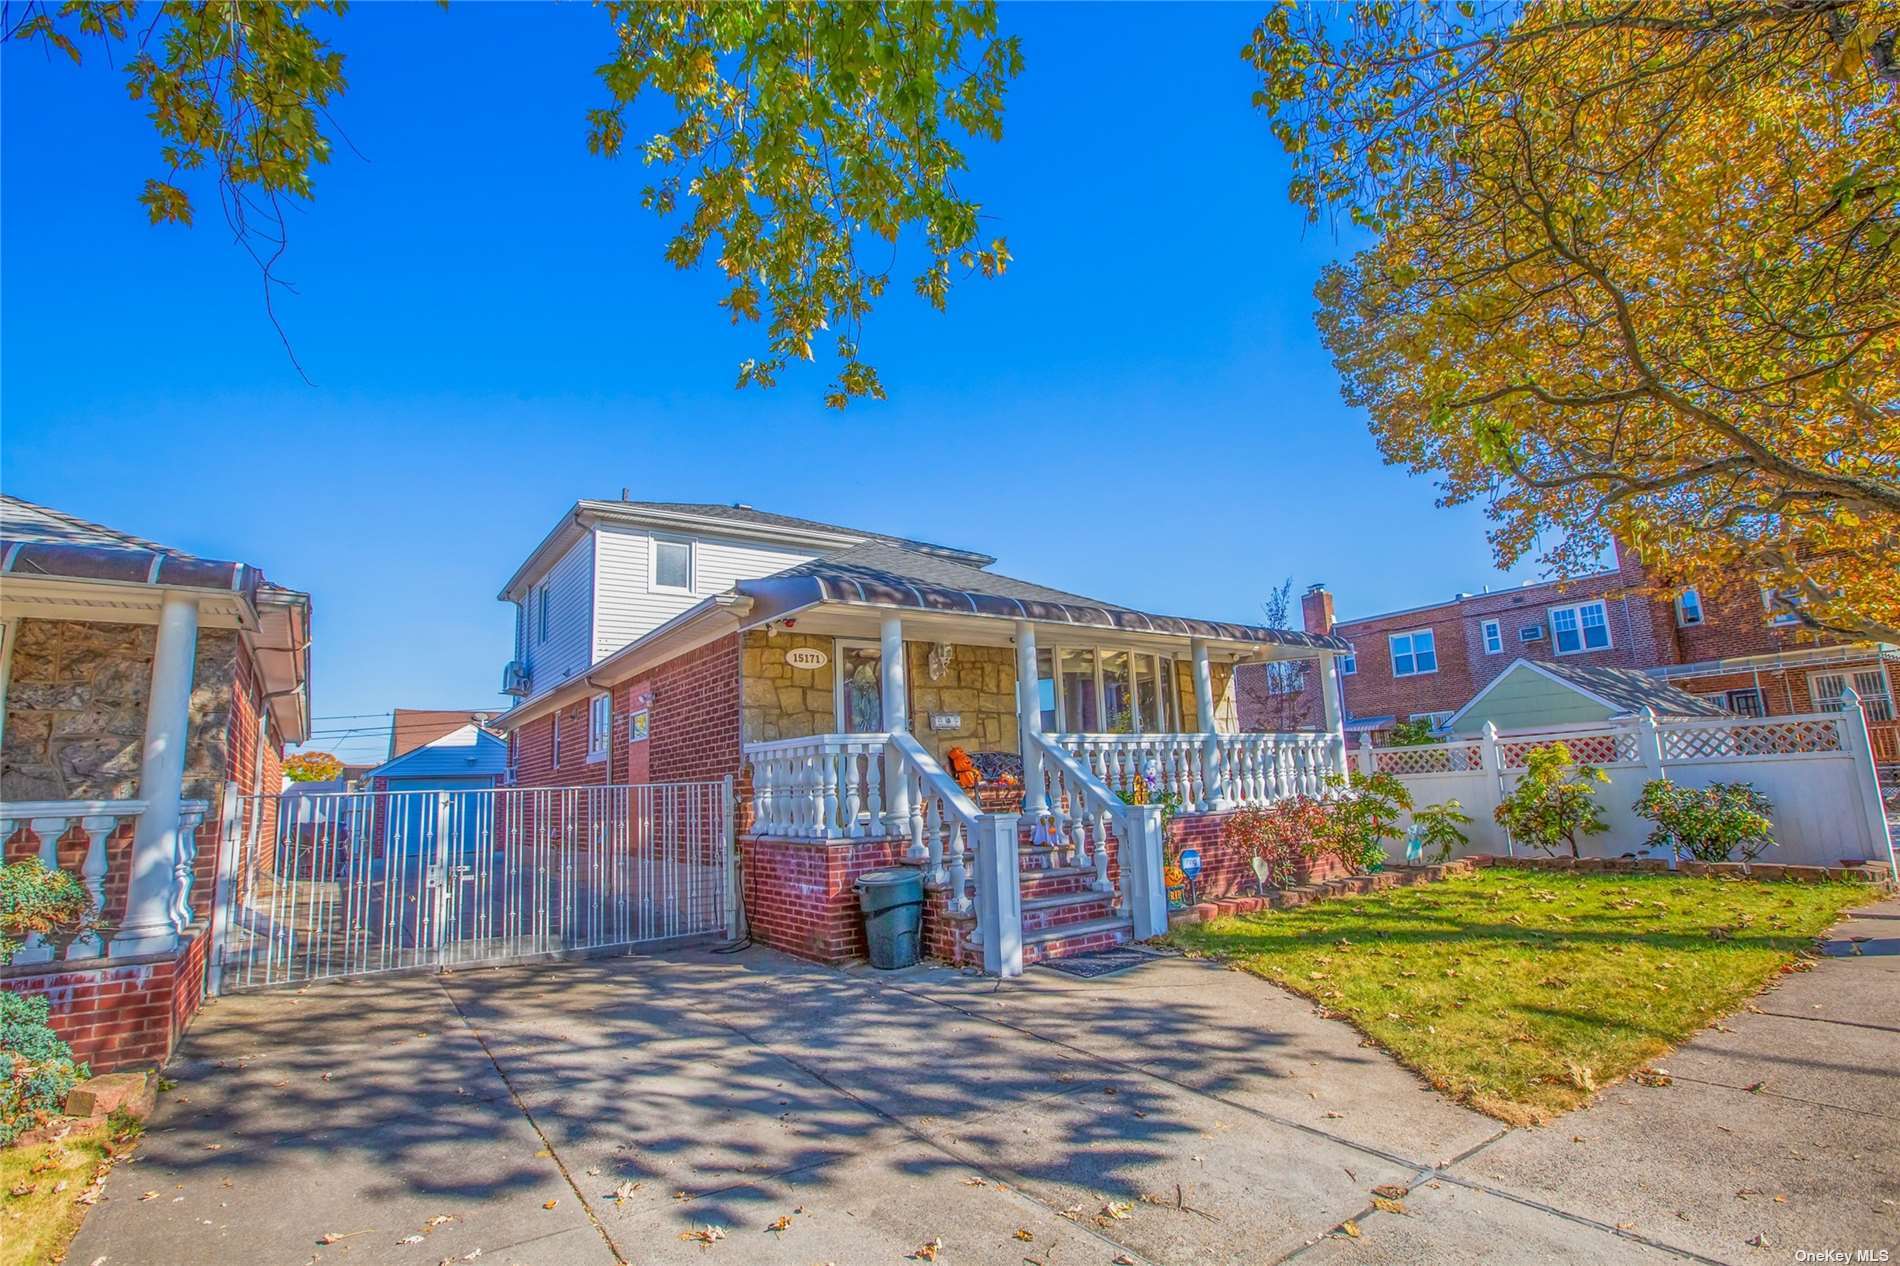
630	604
562	604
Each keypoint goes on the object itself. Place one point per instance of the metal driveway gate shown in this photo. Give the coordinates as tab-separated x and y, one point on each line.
351	883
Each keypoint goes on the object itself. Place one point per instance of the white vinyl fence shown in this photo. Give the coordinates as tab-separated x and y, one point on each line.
1817	769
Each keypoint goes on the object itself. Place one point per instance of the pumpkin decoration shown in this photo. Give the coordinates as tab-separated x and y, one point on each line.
962	768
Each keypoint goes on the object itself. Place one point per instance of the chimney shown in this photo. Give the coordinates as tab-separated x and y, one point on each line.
1316	609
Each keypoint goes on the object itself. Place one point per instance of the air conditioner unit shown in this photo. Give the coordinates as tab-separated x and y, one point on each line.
1531	633
514	679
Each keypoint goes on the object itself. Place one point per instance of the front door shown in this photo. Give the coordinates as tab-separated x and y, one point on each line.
860	688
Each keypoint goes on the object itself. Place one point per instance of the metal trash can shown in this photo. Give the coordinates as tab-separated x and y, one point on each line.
893	905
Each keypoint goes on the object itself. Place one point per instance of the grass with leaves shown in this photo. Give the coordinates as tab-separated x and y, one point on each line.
45	1188
1520	992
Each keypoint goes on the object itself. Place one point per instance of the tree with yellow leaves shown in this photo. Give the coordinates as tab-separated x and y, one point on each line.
1634	275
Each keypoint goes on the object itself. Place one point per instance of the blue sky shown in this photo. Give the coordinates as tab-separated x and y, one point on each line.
1141	410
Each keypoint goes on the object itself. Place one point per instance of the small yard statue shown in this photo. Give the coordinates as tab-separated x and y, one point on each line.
1044	835
1414	845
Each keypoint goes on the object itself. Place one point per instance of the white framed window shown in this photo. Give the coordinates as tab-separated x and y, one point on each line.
1688	608
600	726
1090	689
1582	627
1348	664
554	743
1493	637
538	598
1414	653
1436	719
1780	605
672	566
1871	684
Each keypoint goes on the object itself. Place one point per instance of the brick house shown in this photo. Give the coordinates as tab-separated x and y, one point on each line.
138	684
1427	662
836	674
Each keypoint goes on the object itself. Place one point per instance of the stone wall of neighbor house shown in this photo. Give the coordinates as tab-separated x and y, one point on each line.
76	711
781	701
979	684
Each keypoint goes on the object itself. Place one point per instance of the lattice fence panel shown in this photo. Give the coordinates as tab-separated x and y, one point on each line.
1586	749
1772	738
1441	758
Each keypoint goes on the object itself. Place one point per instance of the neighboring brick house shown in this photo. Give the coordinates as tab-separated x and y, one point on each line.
137	684
662	641
1427	662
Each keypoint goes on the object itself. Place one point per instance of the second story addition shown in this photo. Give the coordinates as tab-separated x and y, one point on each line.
613	571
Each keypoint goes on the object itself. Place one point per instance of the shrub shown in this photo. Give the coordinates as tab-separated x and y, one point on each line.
1410	734
1439	828
1275	834
1362	813
36	1067
35	899
1708	823
1555	801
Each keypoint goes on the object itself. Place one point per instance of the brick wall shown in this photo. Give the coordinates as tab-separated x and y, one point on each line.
1227	871
798	894
693	727
124	1015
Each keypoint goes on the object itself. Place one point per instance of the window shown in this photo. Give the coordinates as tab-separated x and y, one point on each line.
1876	696
1689	609
539	599
1348	664
1584	627
672	565
1780	605
555	743
1744	703
1414	653
1493	637
600	726
1046	688
1077	683
1437	719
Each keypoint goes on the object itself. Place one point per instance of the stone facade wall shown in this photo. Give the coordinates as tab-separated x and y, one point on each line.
783	702
76	711
979	682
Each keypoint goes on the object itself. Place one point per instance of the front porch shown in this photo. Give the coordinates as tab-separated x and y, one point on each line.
1023	765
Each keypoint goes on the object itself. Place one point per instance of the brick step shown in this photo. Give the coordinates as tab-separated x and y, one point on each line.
1066	908
1057	879
1075	938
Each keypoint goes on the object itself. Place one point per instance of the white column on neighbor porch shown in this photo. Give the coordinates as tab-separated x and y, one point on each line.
1335	720
147	928
1029	722
1216	793
896	698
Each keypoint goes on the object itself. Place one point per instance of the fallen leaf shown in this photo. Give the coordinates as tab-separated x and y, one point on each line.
783	1223
1758	1240
410	1239
1388	1206
1117	1209
1392	1191
625	1191
1350	1227
550	1204
437	1221
1023	1233
704	1235
927	1252
150	1195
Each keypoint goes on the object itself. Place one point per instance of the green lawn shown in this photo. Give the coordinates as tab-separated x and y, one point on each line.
1520	992
40	1189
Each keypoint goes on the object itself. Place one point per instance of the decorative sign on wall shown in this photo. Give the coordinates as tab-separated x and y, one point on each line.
806	657
943	722
638	724
1191	862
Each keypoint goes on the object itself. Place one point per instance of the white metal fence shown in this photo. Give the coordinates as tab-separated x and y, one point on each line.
1817	769
353	883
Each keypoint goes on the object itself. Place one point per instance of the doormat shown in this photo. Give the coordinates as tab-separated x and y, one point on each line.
1101	962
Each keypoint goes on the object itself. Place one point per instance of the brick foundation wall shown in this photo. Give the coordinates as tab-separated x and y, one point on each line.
121	1015
1227	871
798	894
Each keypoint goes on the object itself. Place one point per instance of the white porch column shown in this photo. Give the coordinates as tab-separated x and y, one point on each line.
1335	720
147	928
1216	792
1029	722
896	698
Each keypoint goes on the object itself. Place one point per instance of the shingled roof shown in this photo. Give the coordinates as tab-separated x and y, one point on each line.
882	575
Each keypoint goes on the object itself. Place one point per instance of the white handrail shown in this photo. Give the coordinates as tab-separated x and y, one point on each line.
1083	810
943	820
827	786
1210	772
50	821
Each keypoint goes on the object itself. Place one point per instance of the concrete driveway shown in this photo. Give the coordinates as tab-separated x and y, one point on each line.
1177	1113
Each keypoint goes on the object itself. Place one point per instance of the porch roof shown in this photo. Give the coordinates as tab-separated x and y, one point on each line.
879	575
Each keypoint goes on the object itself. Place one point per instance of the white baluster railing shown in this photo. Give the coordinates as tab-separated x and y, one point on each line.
828	786
1248	768
51	821
191	816
943	822
1085	805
